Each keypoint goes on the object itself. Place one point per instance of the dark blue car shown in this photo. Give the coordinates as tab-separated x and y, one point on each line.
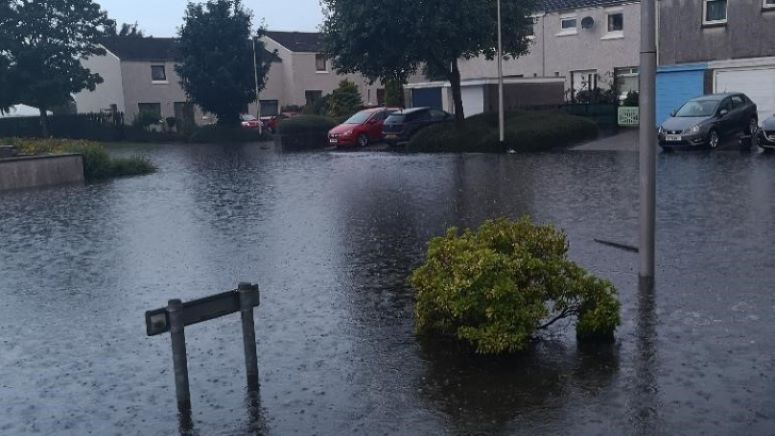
402	125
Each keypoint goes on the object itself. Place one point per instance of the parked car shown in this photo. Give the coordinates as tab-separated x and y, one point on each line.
249	121
705	121
766	135
360	129
400	126
272	121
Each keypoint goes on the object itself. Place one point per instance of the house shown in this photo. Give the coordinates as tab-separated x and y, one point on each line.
139	76
305	73
711	46
580	44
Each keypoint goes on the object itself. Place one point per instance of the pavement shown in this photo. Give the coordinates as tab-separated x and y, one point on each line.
626	139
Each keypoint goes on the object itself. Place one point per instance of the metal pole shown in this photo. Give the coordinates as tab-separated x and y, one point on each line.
258	95
179	360
246	293
648	125
501	117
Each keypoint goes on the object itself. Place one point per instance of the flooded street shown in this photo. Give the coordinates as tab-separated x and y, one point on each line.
331	238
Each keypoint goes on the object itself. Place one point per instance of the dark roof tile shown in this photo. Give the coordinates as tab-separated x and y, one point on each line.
309	42
147	49
561	5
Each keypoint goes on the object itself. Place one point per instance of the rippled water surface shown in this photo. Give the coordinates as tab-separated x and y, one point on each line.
331	238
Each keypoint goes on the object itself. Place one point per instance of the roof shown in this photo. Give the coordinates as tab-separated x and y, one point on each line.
307	42
560	5
148	49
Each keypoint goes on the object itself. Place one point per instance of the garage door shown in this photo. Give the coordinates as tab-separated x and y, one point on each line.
473	100
675	87
757	84
430	97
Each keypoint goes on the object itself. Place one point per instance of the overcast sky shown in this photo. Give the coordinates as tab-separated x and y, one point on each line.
163	17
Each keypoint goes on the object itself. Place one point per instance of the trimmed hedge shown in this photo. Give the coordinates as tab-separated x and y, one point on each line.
305	124
97	163
221	134
526	131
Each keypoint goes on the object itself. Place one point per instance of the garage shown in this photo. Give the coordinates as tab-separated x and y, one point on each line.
430	97
473	100
757	83
676	85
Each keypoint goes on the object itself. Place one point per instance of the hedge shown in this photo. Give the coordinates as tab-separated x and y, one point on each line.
305	124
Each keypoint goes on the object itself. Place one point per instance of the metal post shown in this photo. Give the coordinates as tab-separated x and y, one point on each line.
501	117
246	293
648	125
179	360
258	95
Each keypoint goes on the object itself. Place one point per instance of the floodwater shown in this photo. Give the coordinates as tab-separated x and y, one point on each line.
331	238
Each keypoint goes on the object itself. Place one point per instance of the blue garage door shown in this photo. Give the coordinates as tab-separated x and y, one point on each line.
677	84
430	97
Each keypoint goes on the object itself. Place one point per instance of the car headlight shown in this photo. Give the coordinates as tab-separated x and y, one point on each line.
347	133
693	130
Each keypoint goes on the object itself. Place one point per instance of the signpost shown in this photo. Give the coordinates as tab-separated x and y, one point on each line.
177	315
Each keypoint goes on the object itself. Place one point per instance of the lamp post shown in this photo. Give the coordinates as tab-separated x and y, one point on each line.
501	120
258	96
648	123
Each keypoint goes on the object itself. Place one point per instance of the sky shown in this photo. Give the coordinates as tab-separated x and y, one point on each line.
161	18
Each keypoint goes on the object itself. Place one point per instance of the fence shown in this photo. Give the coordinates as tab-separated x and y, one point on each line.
98	127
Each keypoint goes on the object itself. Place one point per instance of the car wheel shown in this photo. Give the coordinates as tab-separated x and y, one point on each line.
753	126
363	140
713	139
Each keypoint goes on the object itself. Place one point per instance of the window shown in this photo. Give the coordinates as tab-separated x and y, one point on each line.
714	12
626	81
531	29
381	97
616	22
437	115
568	26
312	96
270	108
150	108
769	4
158	73
320	63
737	101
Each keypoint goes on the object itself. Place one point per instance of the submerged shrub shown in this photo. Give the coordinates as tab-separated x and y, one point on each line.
496	287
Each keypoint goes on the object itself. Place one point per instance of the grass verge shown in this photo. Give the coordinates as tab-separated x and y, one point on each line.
526	131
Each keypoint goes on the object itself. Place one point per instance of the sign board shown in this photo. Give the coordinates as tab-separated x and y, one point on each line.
157	321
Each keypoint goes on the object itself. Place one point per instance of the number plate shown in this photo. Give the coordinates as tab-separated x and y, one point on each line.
391	136
333	141
673	138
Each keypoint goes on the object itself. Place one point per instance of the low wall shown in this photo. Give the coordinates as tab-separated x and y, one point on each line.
35	171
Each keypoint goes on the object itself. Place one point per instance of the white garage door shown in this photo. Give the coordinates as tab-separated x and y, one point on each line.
473	100
757	84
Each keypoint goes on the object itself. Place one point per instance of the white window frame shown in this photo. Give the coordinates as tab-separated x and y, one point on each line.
569	31
766	5
705	21
613	34
164	69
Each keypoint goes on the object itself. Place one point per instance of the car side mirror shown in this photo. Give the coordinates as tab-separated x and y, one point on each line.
723	112
672	114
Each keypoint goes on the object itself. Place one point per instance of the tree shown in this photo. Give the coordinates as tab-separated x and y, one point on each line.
396	40
41	44
216	67
127	30
345	100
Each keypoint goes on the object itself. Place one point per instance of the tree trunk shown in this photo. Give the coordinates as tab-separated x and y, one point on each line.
457	97
43	122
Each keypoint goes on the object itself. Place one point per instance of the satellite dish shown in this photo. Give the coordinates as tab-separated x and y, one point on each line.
587	23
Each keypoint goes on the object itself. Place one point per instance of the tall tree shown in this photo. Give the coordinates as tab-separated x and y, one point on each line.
399	37
126	31
216	67
42	43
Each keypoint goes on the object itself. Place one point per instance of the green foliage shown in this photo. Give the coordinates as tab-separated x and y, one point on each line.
144	120
126	31
216	68
525	131
392	40
318	107
394	93
496	287
225	134
632	99
597	95
40	62
345	100
97	164
292	108
305	124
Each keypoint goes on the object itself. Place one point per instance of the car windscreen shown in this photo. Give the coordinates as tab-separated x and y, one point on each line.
395	119
698	108
359	118
248	118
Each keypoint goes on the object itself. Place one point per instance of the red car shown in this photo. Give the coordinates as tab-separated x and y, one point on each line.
272	121
361	129
249	121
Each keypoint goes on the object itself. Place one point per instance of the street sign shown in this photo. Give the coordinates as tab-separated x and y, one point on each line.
201	310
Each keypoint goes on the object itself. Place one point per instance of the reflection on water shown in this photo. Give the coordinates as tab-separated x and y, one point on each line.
331	238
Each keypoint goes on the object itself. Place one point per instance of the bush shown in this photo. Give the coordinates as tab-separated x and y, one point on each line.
345	100
525	131
305	124
494	288
97	164
222	134
144	120
318	107
633	99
